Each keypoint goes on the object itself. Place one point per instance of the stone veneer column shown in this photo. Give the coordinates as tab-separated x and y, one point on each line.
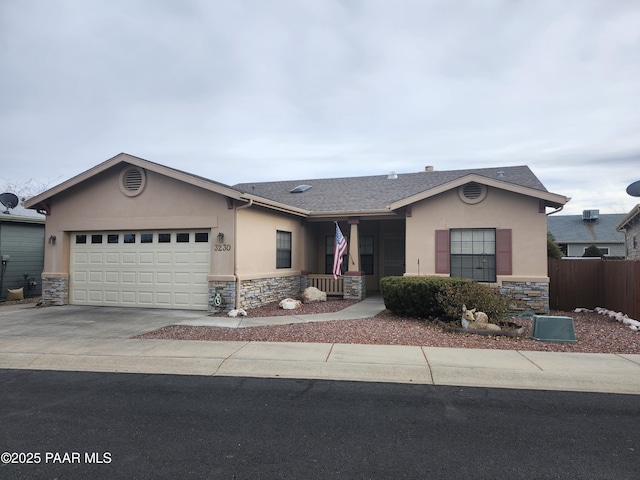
55	289
226	290
355	286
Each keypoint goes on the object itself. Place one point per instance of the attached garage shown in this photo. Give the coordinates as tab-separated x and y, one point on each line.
151	269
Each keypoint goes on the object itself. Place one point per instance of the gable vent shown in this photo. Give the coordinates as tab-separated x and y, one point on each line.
132	181
472	190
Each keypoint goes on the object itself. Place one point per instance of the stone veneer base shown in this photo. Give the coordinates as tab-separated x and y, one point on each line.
55	290
528	296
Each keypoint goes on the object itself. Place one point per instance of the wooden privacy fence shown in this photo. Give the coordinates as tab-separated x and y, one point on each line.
590	283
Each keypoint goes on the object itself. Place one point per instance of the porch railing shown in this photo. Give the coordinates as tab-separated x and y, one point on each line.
327	284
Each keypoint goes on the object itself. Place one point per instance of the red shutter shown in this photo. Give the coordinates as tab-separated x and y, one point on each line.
503	252
442	251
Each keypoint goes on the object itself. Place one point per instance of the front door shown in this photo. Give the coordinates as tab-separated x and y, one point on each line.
393	263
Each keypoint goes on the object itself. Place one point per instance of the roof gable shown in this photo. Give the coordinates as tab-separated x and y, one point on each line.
124	158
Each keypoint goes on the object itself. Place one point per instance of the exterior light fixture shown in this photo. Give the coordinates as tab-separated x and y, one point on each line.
220	237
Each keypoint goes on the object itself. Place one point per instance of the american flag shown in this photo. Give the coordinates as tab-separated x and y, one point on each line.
339	249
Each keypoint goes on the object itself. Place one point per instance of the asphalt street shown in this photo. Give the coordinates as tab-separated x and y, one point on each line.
70	425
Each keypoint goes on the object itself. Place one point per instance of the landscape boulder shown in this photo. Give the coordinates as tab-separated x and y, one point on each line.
290	304
312	294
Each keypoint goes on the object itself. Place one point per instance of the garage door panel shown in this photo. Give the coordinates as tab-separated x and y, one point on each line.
96	277
96	296
163	278
164	258
147	258
112	258
80	258
129	258
96	258
128	278
150	274
79	276
112	277
128	297
145	278
182	258
163	298
112	297
182	278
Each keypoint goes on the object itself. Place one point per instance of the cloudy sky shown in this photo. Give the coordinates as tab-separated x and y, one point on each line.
259	90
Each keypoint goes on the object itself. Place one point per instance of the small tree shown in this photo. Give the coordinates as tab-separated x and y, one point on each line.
593	251
553	250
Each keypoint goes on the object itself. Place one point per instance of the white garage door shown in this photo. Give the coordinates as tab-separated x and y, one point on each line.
155	269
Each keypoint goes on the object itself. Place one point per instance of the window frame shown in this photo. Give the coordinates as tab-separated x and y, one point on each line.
473	254
284	248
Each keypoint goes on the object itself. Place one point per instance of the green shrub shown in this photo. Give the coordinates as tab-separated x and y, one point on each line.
416	296
593	251
553	250
476	295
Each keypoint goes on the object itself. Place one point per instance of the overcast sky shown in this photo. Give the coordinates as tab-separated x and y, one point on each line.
243	91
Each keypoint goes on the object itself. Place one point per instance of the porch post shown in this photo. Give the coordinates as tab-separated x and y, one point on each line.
355	283
354	248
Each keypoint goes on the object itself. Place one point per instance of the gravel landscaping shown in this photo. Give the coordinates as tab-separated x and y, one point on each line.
594	333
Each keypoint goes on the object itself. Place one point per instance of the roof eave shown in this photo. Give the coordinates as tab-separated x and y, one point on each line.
635	211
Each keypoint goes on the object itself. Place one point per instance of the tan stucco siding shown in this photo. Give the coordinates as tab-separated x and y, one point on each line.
256	243
164	204
500	210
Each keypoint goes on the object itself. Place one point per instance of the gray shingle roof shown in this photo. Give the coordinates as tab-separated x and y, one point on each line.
373	193
572	229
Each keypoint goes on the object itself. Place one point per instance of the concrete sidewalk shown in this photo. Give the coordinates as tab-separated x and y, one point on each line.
98	339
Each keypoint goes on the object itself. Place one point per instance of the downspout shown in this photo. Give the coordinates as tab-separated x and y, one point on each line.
235	250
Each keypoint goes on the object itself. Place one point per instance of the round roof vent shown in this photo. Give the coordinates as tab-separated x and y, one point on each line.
472	192
132	181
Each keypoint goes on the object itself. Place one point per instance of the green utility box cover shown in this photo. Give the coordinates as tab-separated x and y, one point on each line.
553	329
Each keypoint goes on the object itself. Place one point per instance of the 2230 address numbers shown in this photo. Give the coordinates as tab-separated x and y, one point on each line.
222	247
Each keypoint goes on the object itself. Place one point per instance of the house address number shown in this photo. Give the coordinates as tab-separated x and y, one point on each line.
222	247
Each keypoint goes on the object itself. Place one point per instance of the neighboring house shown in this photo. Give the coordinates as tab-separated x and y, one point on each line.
575	233
630	225
135	233
21	251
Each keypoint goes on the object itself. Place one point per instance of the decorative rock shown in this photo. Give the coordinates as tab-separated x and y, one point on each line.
290	304
235	312
312	295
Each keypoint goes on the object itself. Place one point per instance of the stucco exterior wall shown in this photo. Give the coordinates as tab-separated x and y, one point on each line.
165	203
500	209
256	243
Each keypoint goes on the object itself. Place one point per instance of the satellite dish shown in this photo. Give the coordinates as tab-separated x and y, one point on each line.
9	200
634	189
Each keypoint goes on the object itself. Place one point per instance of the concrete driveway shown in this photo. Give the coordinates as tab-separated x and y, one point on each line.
73	321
